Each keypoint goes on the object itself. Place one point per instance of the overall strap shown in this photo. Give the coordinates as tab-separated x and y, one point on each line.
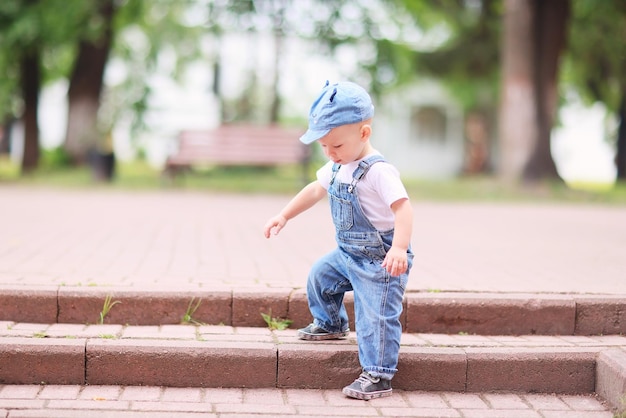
363	168
335	171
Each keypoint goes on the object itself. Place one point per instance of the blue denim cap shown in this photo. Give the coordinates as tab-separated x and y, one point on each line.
338	104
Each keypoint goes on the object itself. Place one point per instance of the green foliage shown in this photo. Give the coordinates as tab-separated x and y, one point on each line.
596	57
53	27
191	310
466	57
106	308
55	158
276	323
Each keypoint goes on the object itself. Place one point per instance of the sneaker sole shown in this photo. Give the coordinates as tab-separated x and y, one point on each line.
321	337
366	396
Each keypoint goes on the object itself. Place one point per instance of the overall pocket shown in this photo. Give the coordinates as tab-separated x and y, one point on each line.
341	210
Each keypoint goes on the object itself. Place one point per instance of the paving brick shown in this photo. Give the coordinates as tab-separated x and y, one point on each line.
465	400
243	409
422	399
577	414
490	314
28	304
164	406
19	392
223	395
59	392
530	370
505	401
357	410
582	403
37	360
100	393
299	309
180	363
66	330
13	404
317	365
611	377
147	307
87	404
546	402
600	315
264	396
141	393
499	413
431	369
304	397
249	305
419	412
141	331
181	395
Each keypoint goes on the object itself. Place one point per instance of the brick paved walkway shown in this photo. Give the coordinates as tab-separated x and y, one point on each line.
157	402
189	240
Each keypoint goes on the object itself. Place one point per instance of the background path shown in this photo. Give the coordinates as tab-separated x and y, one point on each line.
186	240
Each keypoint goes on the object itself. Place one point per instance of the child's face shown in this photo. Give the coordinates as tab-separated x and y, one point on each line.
346	143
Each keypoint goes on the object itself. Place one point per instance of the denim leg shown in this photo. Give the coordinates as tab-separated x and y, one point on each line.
326	286
378	306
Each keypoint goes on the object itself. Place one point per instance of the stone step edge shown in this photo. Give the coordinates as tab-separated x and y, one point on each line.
448	313
179	363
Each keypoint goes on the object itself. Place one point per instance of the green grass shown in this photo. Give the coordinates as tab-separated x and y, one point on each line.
288	180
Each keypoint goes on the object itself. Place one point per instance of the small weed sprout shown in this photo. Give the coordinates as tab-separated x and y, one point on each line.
276	323
191	310
107	307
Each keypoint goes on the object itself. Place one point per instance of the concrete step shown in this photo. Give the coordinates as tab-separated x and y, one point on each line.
448	313
254	357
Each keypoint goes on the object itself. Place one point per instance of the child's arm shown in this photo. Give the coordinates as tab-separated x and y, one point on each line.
396	259
306	198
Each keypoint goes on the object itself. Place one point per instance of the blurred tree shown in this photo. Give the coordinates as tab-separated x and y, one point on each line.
43	40
533	41
512	46
146	34
466	62
596	62
86	81
37	39
32	50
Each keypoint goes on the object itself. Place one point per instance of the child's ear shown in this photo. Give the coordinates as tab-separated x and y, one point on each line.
366	131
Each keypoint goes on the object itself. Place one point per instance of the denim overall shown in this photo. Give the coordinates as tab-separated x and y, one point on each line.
356	265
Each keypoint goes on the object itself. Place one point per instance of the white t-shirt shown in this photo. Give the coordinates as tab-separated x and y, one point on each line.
377	191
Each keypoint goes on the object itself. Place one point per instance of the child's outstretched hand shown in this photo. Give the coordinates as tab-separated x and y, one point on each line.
395	261
274	225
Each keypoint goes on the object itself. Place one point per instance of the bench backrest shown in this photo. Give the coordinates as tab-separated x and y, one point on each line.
241	144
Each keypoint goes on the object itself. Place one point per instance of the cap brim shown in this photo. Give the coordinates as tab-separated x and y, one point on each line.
311	135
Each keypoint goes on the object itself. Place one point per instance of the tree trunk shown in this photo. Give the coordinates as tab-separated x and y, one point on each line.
85	89
620	156
533	39
31	83
549	41
518	119
275	106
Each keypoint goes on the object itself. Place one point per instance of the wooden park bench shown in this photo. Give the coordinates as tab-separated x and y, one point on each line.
239	145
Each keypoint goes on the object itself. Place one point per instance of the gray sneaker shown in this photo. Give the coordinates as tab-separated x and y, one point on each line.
315	333
367	387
